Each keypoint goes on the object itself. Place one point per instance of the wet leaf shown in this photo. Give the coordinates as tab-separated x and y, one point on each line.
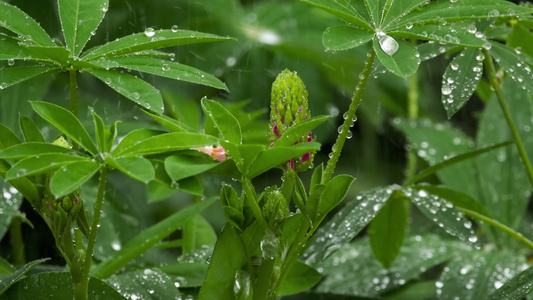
345	37
521	38
131	87
170	124
513	62
148	238
457	198
299	130
147	41
79	20
31	149
60	55
11	49
69	177
191	273
41	164
224	121
66	122
404	62
133	138
301	277
57	285
168	142
431	50
182	165
443	214
450	33
9	138
475	274
398	9
169	69
516	288
20	23
334	192
10	202
11	76
138	168
387	229
147	284
346	224
7	282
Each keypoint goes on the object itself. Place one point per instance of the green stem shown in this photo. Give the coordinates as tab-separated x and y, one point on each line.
412	112
516	235
73	98
356	100
493	79
17	244
250	193
289	177
84	284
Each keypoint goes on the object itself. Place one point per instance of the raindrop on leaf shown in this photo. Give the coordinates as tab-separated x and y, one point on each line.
149	32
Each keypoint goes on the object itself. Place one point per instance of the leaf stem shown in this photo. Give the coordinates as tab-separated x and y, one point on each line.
412	113
494	82
17	249
73	99
356	100
84	284
250	193
516	235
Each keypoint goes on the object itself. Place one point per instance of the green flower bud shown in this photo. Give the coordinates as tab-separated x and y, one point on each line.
289	106
274	206
61	141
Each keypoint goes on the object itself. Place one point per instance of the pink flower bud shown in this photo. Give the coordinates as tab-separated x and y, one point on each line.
216	152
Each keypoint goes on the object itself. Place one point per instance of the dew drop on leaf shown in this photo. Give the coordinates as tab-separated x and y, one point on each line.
149	32
174	28
11	62
388	45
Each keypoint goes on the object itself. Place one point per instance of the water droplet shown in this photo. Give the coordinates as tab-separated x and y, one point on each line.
231	61
472	239
446	90
105	8
136	96
409	25
149	32
165	67
422	193
480	57
339	130
471	28
107	81
493	14
453	1
174	28
487	45
349	134
388	45
454	66
3	85
11	62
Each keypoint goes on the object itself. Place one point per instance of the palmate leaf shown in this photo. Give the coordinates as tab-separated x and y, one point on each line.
11	76
11	49
353	12
516	288
30	131
79	19
453	33
399	8
23	25
41	164
403	63
9	138
168	69
70	176
31	149
147	41
513	63
376	8
345	37
138	168
295	132
131	87
147	284
181	166
169	142
224	121
133	138
15	276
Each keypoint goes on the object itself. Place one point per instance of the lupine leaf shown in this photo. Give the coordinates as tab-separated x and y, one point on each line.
169	142
15	276
354	12
31	149
69	177
20	23
225	122
30	131
403	63
11	76
40	164
345	37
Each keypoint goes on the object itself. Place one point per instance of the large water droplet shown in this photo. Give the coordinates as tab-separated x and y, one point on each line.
11	62
174	28
446	90
149	32
388	45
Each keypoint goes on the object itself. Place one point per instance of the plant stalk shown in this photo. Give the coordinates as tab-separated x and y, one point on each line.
504	104
250	193
412	113
73	99
17	243
81	289
356	100
516	235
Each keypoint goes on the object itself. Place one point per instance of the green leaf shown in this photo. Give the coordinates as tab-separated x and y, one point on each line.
69	177
345	37
66	122
60	55
515	288
134	137
453	160
461	79
273	157
9	138
192	272
453	34
457	198
11	49
346	224
30	131
301	277
79	20
513	63
399	9
475	274
353	12
7	282
41	164
461	11
31	149
57	285
387	229
299	130
131	87
20	23
182	165
148	238
100	133
147	284
521	38
444	214
375	7
5	268
403	63
11	76
146	41
170	124
168	142
169	69
138	168
335	191
225	122
10	202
